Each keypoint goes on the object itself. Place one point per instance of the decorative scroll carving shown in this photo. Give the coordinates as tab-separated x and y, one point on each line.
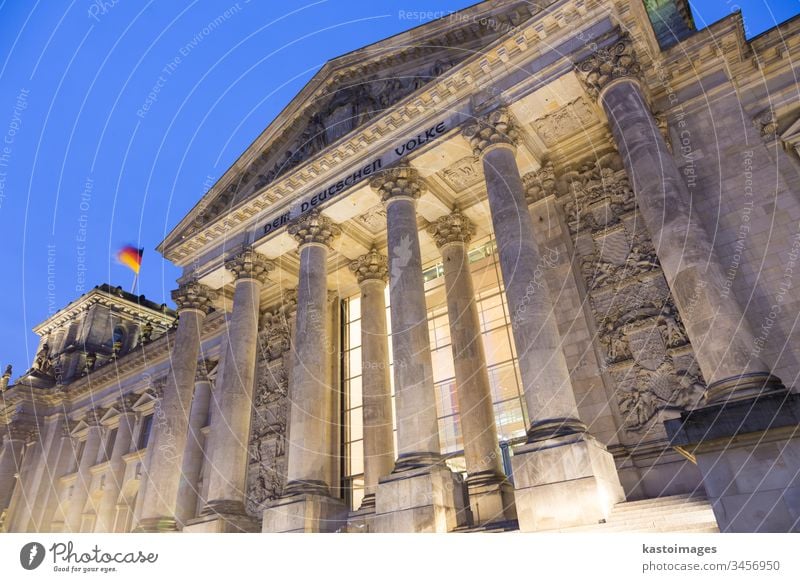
608	64
767	124
564	122
372	266
400	181
497	127
194	295
453	227
249	264
314	228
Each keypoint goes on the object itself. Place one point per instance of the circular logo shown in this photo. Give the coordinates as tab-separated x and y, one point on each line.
31	555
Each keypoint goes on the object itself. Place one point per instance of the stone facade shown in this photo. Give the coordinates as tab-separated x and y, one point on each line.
632	199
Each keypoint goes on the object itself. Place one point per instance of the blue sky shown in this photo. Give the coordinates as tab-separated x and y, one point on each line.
84	169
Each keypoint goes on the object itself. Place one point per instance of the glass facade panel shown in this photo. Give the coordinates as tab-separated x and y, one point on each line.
509	407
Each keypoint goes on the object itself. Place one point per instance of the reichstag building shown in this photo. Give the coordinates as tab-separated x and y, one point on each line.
528	267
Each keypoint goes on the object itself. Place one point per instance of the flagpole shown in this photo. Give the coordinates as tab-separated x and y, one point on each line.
135	281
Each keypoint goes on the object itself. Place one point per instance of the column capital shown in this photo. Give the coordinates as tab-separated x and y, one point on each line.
496	128
249	264
314	228
539	184
194	295
398	182
125	403
205	369
605	65
452	228
372	266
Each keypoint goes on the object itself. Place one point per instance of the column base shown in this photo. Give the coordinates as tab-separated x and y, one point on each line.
305	513
491	499
748	452
157	525
563	482
428	499
222	516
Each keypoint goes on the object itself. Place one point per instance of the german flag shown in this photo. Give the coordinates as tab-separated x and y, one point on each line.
131	257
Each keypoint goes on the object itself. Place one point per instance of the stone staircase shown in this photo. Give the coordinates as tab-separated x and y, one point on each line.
676	513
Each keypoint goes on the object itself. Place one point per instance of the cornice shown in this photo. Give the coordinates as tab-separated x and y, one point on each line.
454	87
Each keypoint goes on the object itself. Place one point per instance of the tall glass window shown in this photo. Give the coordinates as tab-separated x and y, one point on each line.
509	404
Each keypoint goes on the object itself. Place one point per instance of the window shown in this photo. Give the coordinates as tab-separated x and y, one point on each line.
509	406
109	444
144	432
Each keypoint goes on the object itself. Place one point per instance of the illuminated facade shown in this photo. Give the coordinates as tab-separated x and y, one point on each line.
527	267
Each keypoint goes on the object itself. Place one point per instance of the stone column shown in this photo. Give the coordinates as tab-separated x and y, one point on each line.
745	438
107	512
720	334
171	420
586	485
189	491
14	437
421	494
81	488
229	436
491	495
372	272
307	503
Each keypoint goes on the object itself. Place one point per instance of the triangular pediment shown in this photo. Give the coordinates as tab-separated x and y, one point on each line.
349	92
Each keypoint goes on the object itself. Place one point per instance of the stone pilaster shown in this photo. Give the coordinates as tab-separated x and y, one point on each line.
491	496
749	426
372	273
188	492
171	421
228	439
81	487
13	436
421	494
717	327
589	479
107	511
308	503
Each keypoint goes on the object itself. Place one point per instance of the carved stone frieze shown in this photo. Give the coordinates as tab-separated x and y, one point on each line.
565	122
462	174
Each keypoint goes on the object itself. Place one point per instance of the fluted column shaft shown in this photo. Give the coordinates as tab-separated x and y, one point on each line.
171	421
722	339
83	482
10	463
372	272
417	426
312	399
107	512
188	493
543	367
452	234
229	436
